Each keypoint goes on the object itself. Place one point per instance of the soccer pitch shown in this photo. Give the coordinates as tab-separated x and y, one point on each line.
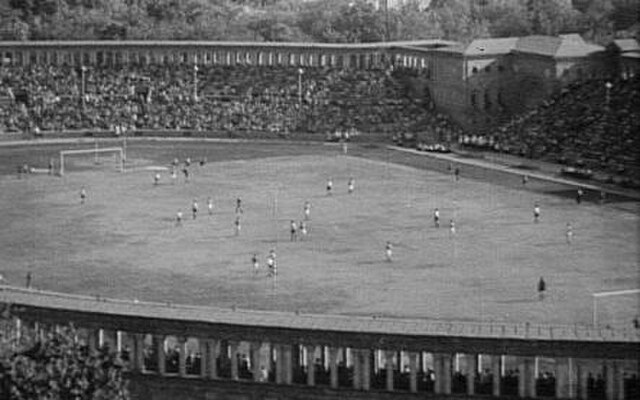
124	242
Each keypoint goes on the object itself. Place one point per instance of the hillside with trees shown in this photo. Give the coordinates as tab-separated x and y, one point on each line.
337	21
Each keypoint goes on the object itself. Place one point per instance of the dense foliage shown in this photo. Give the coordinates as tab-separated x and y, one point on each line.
57	367
338	21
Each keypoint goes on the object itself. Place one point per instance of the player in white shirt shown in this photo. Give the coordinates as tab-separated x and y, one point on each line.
388	251
452	227
83	195
303	229
436	218
536	213
156	179
179	218
307	210
329	186
351	185
569	233
210	205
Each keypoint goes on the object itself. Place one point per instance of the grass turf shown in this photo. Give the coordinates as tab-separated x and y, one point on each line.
124	243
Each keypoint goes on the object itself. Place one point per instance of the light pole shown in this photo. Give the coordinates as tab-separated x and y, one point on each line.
83	70
300	72
608	87
195	83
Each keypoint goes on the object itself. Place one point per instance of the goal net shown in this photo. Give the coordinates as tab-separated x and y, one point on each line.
89	158
616	308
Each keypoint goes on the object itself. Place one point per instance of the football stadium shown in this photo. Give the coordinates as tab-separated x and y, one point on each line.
327	221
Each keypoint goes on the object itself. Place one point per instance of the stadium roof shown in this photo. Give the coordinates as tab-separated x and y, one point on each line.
564	46
495	46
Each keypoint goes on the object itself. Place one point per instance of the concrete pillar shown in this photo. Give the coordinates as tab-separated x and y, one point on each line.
614	380
279	363
367	356
388	365
161	356
255	361
527	378
93	339
182	356
442	367
287	363
311	365
333	366
234	359
565	381
212	349
137	357
472	368
496	369
619	380
413	372
296	358
356	358
583	379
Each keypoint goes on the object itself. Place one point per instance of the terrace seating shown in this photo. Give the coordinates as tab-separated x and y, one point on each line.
229	99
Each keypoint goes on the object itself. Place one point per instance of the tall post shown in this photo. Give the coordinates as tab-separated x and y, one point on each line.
255	361
496	369
138	352
333	366
472	367
233	345
161	356
195	82
388	362
367	356
300	72
311	365
413	372
182	356
211	357
83	70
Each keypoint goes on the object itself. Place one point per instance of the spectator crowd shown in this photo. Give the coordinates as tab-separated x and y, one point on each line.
232	99
590	125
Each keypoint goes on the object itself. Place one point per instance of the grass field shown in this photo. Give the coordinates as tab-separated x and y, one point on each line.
124	243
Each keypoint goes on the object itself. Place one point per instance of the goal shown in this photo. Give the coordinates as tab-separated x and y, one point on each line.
113	154
615	307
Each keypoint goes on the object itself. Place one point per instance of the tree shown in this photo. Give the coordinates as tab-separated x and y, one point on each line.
411	22
58	367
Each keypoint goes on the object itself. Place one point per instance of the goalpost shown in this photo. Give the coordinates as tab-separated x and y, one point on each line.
117	152
599	295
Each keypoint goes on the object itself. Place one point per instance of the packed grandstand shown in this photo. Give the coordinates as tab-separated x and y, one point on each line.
592	123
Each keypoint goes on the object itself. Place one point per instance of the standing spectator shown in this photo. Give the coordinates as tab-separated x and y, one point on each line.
579	195
28	280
